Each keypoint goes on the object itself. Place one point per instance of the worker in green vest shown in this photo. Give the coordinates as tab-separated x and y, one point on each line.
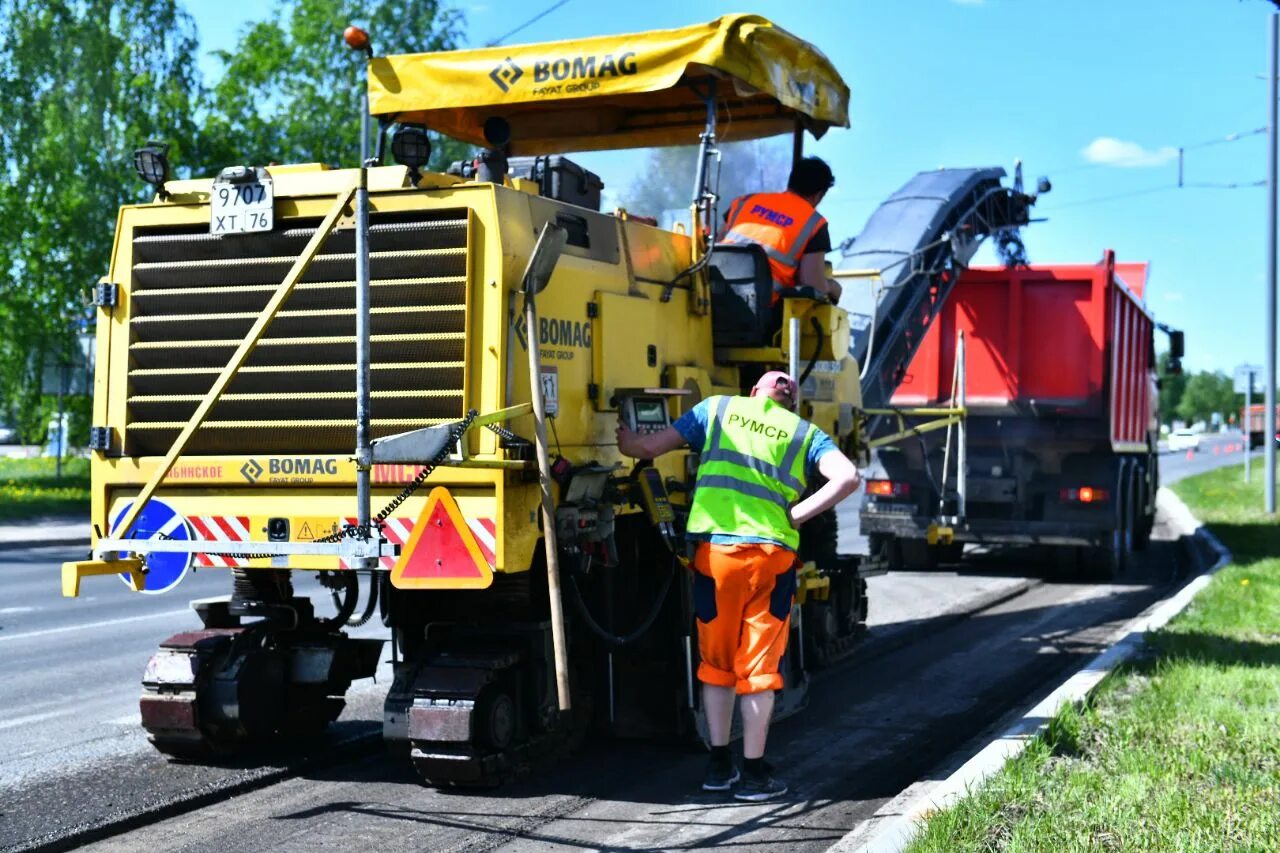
756	459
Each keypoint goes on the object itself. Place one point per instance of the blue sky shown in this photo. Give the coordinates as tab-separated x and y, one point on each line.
1098	95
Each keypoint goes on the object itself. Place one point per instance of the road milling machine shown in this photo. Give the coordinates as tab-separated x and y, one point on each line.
408	382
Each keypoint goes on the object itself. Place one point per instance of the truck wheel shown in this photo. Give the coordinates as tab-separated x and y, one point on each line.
1108	562
1144	515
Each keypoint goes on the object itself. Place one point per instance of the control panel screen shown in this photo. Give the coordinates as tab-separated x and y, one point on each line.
651	412
646	415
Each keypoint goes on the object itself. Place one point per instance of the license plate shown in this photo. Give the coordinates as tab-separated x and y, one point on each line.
241	208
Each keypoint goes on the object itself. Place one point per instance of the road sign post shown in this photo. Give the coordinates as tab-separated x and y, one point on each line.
1246	376
1248	402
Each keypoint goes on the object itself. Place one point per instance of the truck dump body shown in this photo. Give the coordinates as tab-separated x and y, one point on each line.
935	220
1068	341
1061	401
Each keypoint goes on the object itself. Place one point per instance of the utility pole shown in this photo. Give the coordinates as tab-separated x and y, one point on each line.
1269	440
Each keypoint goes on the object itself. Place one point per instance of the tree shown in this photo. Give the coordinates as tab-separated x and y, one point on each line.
291	91
1207	394
666	183
84	83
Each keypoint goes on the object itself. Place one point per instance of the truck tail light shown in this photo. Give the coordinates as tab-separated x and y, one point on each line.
1084	495
888	489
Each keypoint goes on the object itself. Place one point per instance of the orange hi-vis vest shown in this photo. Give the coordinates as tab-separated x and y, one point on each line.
782	224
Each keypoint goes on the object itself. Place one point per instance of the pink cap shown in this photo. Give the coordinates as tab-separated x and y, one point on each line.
775	379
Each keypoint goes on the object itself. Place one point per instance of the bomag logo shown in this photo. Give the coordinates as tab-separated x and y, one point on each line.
506	74
304	466
556	333
585	67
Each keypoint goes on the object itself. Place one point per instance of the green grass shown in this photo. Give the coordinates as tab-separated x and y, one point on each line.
1179	750
28	488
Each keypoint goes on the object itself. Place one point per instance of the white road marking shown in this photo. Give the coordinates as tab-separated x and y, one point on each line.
47	632
7	611
35	718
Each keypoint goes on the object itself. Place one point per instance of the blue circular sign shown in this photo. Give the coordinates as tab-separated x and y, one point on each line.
158	520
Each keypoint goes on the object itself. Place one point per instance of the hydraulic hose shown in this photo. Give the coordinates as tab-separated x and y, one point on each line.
371	602
345	589
615	640
384	600
822	339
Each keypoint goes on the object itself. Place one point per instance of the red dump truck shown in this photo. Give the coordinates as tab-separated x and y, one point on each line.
1061	431
1253	420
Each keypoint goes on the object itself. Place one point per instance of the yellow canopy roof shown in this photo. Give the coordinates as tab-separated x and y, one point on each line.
624	91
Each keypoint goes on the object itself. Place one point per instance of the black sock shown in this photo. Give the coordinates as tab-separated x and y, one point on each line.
754	766
720	756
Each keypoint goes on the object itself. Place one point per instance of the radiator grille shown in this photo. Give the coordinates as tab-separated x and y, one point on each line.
195	296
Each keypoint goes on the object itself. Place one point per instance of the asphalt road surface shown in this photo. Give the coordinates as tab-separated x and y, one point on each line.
948	655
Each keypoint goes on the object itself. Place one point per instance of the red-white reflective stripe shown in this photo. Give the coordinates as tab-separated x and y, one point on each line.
219	528
398	530
484	530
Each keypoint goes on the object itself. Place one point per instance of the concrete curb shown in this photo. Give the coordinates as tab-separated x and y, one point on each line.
896	823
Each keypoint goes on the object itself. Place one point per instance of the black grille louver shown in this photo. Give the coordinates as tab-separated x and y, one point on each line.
195	296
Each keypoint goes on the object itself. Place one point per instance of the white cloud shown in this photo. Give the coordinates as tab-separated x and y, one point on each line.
1109	151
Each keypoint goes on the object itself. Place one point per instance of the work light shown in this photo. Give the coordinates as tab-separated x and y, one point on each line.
151	162
411	147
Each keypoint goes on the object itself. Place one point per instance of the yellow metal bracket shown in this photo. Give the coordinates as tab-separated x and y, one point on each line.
73	572
238	358
943	418
940	535
494	417
811	584
500	415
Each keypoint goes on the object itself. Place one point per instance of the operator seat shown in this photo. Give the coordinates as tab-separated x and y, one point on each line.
741	289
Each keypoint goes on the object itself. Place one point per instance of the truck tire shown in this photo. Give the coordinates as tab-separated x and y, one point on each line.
1147	507
1108	562
1144	513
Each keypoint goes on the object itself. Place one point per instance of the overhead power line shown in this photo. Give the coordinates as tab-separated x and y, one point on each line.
1160	189
538	17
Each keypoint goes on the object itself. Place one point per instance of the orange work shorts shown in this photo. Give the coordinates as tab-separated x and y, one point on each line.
742	597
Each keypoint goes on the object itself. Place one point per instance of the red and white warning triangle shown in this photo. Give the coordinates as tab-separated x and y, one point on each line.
442	552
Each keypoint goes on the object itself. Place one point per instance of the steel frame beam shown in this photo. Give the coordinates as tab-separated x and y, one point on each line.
238	358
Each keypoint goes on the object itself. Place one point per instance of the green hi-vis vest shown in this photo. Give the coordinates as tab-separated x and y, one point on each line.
752	469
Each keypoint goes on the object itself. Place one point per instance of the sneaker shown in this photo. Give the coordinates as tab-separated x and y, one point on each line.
720	777
758	787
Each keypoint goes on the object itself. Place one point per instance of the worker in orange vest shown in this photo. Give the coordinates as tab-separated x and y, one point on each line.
789	228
